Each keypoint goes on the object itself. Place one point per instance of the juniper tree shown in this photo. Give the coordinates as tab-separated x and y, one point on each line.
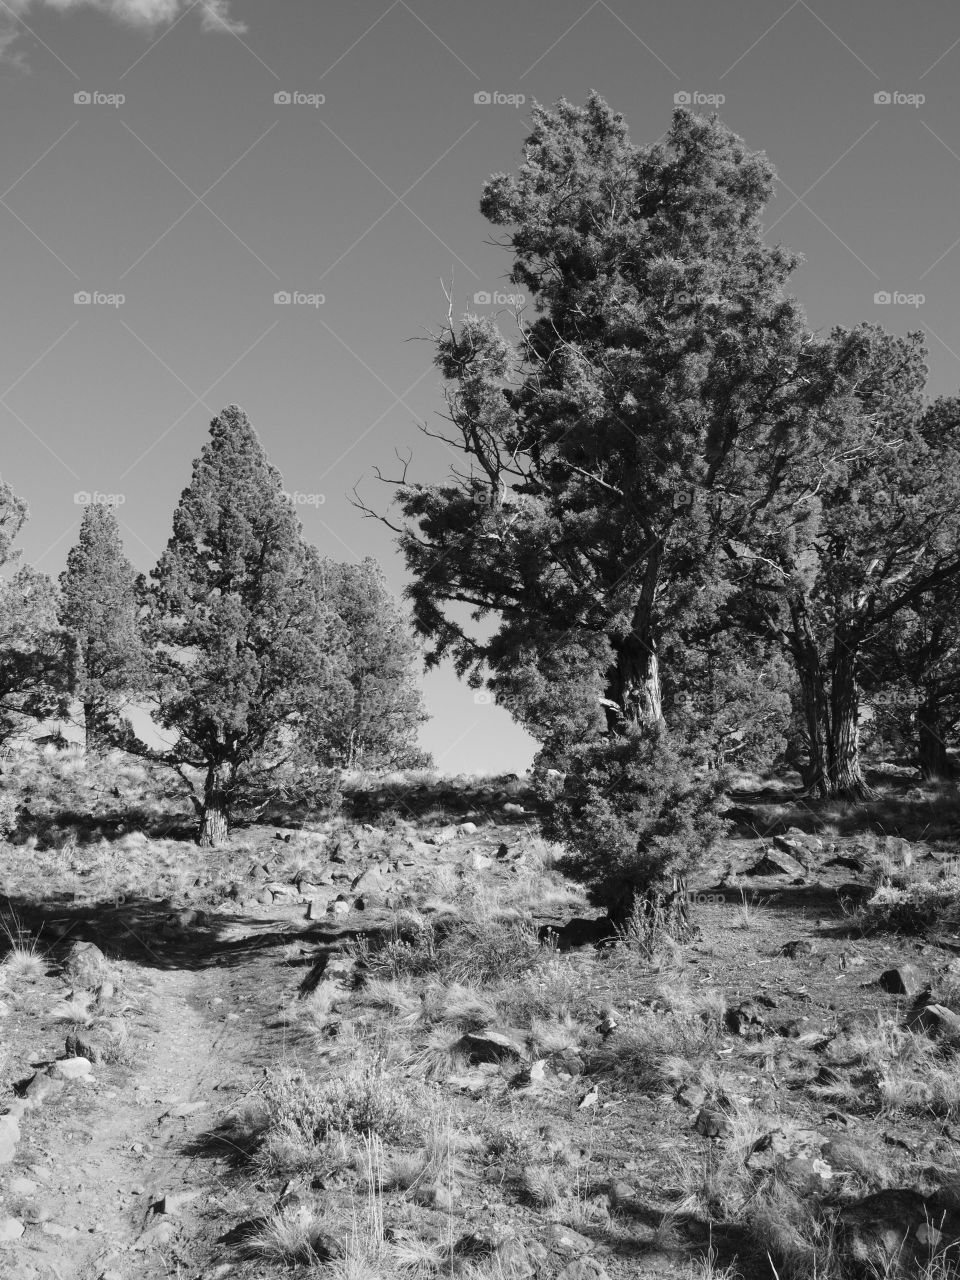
613	443
248	656
99	606
37	657
866	522
382	718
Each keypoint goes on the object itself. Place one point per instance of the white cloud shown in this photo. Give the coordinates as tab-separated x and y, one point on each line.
148	14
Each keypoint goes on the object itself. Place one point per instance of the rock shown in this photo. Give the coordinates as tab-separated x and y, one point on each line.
779	864
491	1045
567	1062
22	1186
368	881
514	1261
71	1068
479	861
59	1231
793	847
79	1048
620	1193
467	829
85	965
516	809
339	907
711	1123
583	1269
799	947
745	1020
904	980
444	835
936	1020
9	1137
10	1229
691	1095
895	1227
172	1204
503	851
155	1236
561	1239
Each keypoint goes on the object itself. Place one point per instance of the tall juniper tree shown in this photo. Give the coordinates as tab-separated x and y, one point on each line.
382	718
248	655
99	606
37	657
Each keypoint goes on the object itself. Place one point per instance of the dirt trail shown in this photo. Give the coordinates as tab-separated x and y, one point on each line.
105	1154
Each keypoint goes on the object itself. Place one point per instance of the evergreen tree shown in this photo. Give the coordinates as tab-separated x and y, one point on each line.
99	606
614	448
249	658
379	729
37	657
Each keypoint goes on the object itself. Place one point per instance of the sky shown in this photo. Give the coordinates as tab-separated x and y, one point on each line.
182	165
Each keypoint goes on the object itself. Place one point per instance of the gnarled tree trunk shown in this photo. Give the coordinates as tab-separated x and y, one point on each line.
633	682
215	816
846	776
816	708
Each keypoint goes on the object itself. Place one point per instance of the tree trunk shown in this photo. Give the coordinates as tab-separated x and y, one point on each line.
633	682
846	779
816	708
932	745
91	733
215	818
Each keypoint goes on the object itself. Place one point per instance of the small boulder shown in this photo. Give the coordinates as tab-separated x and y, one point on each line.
10	1229
711	1123
583	1269
904	980
71	1069
85	966
491	1045
936	1020
563	1239
780	863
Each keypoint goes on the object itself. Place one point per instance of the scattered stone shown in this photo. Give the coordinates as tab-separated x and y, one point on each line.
59	1231
691	1095
155	1236
22	1186
492	1046
563	1239
85	965
848	1156
745	1020
510	807
621	1193
936	1020
339	907
904	980
479	861
172	1204
76	1047
799	947
71	1068
781	863
794	846
467	829
711	1123
10	1229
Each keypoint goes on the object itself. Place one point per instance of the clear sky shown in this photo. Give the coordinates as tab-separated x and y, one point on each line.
198	197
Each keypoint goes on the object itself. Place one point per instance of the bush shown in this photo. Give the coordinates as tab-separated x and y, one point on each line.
634	812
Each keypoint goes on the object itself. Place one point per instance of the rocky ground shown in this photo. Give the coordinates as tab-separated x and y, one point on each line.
341	1048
